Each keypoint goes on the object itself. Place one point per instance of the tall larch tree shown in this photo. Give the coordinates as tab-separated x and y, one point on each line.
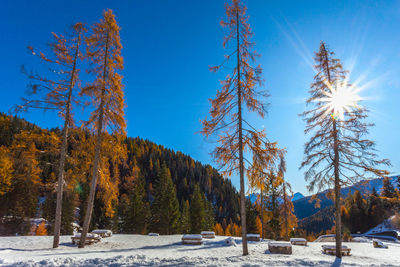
56	91
104	54
259	175
338	152
238	92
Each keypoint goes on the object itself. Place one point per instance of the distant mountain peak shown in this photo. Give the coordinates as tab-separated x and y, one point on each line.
297	196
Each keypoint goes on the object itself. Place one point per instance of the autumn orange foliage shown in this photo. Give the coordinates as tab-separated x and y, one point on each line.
234	133
41	229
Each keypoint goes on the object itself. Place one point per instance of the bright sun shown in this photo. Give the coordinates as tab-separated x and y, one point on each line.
340	99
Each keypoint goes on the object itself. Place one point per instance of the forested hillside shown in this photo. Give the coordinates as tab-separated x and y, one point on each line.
360	211
141	183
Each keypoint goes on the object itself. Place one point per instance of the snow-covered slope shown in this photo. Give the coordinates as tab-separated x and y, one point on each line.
386	225
139	250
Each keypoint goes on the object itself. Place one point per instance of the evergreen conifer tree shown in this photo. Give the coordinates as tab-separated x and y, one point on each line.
184	221
251	219
209	215
388	189
138	210
165	207
197	211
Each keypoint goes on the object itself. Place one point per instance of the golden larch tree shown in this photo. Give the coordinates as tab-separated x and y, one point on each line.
287	216
238	93
338	152
6	170
104	53
56	92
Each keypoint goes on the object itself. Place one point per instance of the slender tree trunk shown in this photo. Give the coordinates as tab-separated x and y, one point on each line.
338	220
337	194
92	193
262	212
241	161
63	152
285	211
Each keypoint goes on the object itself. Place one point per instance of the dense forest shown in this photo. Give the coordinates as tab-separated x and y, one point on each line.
360	212
141	185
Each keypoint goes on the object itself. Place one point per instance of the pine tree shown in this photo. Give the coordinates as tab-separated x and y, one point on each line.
251	219
184	221
104	53
209	219
338	141
374	192
197	211
138	210
235	134
273	193
58	94
165	207
388	189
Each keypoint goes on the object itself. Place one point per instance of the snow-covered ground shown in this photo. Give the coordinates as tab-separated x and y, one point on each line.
139	250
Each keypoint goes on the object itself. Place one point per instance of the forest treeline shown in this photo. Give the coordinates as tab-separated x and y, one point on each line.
360	212
148	187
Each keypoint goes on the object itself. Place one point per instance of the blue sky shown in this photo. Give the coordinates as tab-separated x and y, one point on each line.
168	46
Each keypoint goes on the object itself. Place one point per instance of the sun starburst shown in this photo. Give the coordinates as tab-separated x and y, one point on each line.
340	98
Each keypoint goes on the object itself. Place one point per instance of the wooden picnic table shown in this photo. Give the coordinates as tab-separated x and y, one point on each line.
192	240
102	232
207	234
298	241
331	250
280	247
90	238
253	237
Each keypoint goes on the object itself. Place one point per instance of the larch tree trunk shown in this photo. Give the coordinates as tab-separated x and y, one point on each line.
285	211
338	222
96	163
262	212
241	161
63	152
338	219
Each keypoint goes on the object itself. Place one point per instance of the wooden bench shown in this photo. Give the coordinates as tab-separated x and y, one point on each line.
153	234
192	240
90	238
253	237
102	232
207	234
280	247
298	241
331	250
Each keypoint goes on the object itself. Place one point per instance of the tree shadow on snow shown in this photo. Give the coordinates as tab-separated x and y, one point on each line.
337	262
206	245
